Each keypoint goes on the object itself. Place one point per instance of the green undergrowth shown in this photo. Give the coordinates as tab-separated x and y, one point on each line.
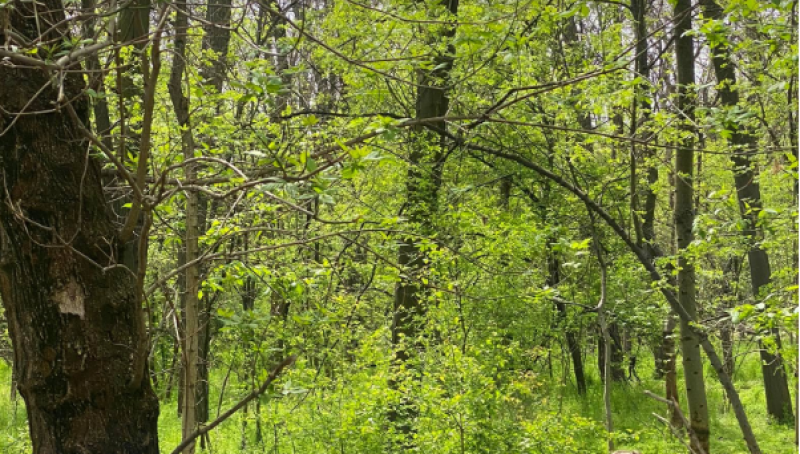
346	416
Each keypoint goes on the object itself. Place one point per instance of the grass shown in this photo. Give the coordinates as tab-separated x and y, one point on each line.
635	426
639	429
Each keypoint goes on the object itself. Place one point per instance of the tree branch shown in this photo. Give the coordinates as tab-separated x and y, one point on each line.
255	393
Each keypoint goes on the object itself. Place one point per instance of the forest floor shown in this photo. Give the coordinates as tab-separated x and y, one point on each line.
635	425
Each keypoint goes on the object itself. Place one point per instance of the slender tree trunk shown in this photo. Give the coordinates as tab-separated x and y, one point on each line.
665	356
671	369
730	273
132	28
216	38
743	146
670	353
180	282
422	188
553	278
615	354
73	324
684	220
102	118
191	327
601	319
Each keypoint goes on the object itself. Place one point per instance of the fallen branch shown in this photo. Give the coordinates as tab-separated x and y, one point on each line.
696	446
675	433
261	389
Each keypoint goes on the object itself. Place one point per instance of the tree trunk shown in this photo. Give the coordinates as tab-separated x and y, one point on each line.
422	187
74	317
671	370
730	274
553	278
191	326
133	28
684	219
216	38
616	355
744	144
601	319
180	282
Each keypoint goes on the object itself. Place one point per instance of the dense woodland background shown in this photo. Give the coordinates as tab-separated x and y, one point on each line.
436	226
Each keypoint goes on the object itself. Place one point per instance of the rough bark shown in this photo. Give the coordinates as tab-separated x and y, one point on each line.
684	220
743	147
74	316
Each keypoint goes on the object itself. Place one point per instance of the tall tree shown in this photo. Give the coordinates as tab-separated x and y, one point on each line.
645	228
684	221
571	40
216	39
426	160
191	325
744	144
74	314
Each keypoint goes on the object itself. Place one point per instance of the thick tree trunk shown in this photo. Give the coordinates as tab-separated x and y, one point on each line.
684	219
744	144
74	317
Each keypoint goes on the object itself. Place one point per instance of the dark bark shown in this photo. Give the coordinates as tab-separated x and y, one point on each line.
671	369
743	147
216	38
617	356
553	278
74	317
102	118
684	220
422	188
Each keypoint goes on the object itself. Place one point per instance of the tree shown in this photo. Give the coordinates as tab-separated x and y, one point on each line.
743	145
421	211
426	160
684	221
191	320
75	313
